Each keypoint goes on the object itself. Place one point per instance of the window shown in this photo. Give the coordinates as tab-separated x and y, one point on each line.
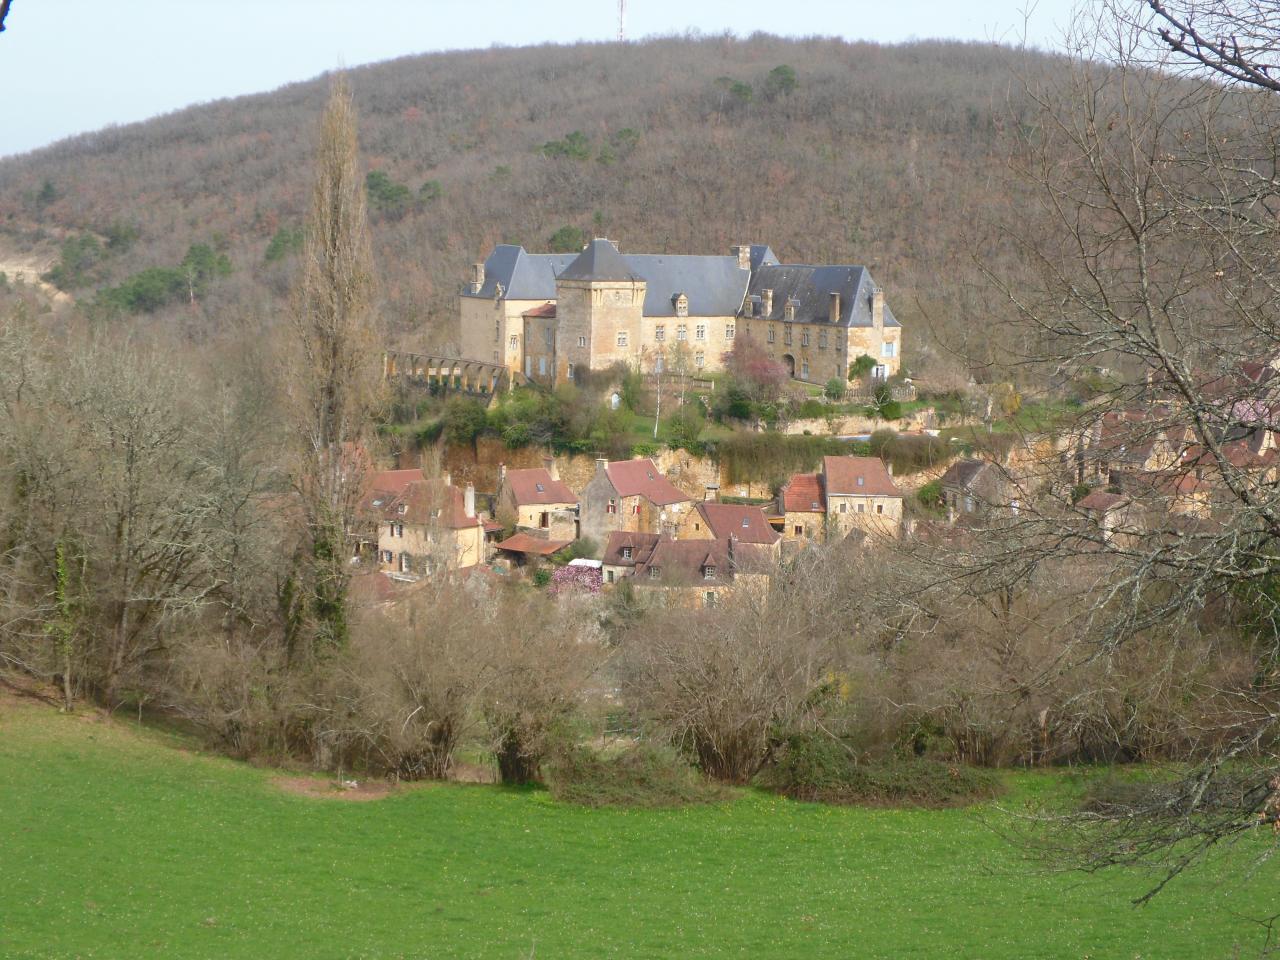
404	563
388	556
528	366
771	333
626	553
799	530
879	371
888	349
786	336
495	356
822	340
708	572
660	332
542	366
549	337
608	576
544	520
844	508
539	488
635	508
879	508
582	341
682	306
613	505
699	360
622	338
655	573
569	374
402	509
746	522
968	504
804	369
514	342
728	330
682	332
804	337
497	331
709	598
700	332
861	482
659	364
862	508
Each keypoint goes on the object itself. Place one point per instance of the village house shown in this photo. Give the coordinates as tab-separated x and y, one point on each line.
630	495
424	525
702	573
624	551
723	521
973	489
536	502
850	494
548	316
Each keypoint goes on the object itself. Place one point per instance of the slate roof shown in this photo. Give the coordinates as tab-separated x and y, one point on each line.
600	260
642	478
641	545
715	286
811	287
524	276
858	476
745	523
803	494
683	562
963	473
534	486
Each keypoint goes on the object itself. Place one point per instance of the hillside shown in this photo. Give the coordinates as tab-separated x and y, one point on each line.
890	156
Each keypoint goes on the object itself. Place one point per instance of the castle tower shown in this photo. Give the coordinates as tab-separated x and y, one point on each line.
599	306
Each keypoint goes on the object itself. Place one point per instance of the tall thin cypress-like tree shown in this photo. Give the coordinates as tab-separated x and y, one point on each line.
335	384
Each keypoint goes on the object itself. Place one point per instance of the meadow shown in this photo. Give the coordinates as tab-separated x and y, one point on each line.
117	841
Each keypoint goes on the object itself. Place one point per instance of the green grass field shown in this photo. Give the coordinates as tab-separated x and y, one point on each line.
116	842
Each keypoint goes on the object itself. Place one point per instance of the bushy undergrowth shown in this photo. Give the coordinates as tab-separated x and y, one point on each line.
819	768
1114	794
641	775
773	457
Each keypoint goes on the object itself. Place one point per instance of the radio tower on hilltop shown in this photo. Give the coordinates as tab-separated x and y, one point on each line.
622	21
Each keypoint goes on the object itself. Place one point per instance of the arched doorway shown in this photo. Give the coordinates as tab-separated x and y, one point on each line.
790	361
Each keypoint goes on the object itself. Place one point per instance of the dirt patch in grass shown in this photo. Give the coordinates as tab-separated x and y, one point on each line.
336	790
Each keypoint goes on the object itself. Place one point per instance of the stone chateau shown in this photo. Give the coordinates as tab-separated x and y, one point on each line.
548	315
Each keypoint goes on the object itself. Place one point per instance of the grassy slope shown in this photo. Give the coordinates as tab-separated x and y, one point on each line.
115	843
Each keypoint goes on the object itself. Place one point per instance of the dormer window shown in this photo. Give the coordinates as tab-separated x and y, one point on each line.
708	572
402	509
622	338
860	482
541	489
790	310
682	304
655	573
746	522
626	553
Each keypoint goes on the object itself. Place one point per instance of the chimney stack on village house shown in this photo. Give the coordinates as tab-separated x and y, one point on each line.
835	306
877	310
601	464
469	501
549	463
743	252
766	301
502	473
477	277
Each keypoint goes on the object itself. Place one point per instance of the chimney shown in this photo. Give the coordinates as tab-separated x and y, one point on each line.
743	253
889	466
877	310
835	306
477	277
502	473
447	477
766	301
469	501
550	464
601	464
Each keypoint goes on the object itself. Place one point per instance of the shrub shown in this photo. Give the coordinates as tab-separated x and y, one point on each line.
834	389
541	577
387	199
909	453
818	768
811	409
576	146
566	240
931	494
638	776
464	421
860	367
285	242
773	457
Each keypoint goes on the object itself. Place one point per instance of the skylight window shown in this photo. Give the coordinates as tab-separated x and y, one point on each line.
540	488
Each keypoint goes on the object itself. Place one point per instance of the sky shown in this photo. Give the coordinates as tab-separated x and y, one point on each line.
70	66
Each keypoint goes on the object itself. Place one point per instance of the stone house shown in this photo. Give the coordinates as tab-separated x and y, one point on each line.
425	525
538	502
550	315
1113	513
850	494
702	573
624	551
742	523
630	495
973	489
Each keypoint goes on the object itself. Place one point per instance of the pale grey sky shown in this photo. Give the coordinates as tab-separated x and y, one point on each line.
68	66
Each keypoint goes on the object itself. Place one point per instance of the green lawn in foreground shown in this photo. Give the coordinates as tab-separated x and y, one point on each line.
117	843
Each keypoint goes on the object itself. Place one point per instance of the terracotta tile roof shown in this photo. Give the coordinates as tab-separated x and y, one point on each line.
545	310
524	543
747	524
425	500
1102	501
386	485
686	562
642	478
803	494
641	545
858	476
492	526
535	487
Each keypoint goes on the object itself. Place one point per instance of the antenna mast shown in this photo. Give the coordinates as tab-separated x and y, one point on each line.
622	21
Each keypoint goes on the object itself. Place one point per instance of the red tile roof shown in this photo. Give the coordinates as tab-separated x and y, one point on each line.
386	485
744	523
858	476
803	494
425	500
641	545
1102	501
642	478
545	310
535	487
524	543
686	562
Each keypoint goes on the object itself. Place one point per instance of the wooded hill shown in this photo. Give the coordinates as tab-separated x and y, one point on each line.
889	156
